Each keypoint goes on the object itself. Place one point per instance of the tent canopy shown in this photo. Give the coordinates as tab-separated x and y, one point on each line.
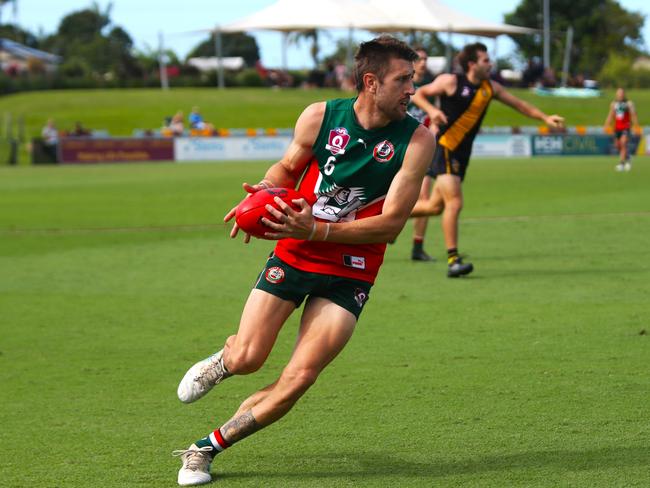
433	16
374	15
297	15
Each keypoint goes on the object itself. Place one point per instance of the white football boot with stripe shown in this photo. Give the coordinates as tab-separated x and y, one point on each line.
196	465
201	377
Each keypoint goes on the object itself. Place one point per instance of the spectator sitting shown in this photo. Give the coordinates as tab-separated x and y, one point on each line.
196	119
176	124
198	124
79	130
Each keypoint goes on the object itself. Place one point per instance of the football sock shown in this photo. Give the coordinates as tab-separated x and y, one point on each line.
418	243
215	440
452	255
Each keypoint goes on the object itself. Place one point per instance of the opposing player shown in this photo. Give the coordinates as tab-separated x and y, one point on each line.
421	77
464	99
623	114
360	163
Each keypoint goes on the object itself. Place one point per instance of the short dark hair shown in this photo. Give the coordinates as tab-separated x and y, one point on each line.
374	57
470	53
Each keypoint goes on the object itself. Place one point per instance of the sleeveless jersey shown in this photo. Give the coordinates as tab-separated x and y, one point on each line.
465	110
347	179
416	112
622	113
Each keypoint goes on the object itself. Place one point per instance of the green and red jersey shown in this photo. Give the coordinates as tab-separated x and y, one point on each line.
347	179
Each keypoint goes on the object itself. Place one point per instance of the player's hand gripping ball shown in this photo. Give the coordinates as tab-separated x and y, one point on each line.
250	211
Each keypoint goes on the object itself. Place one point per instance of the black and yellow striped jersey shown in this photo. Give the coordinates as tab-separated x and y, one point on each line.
465	110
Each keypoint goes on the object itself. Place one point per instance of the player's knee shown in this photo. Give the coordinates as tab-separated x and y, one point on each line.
454	204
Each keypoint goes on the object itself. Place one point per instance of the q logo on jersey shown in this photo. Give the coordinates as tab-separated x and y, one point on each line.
384	151
337	141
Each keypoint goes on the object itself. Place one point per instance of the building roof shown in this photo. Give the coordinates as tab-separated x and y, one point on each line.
24	52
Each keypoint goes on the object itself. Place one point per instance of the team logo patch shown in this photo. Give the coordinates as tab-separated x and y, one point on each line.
455	165
358	262
337	141
274	275
360	297
466	92
384	151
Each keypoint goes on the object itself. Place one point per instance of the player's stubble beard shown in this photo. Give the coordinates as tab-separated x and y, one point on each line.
392	109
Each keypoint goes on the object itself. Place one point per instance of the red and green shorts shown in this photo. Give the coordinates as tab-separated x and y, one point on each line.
289	283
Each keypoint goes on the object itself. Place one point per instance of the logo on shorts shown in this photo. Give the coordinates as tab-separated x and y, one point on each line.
274	275
384	151
455	165
360	297
337	141
358	262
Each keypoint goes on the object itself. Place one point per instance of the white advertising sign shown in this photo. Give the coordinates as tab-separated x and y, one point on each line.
230	148
501	145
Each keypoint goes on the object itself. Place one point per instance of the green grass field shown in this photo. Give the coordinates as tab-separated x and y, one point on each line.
121	111
532	372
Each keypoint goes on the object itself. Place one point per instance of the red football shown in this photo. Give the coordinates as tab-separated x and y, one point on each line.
250	211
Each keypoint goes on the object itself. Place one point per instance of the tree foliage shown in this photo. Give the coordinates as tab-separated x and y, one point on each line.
18	34
600	27
232	44
88	38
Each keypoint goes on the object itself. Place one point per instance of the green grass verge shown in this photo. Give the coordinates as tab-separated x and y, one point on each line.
121	111
532	372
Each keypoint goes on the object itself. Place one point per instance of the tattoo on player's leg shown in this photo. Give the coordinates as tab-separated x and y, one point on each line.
240	427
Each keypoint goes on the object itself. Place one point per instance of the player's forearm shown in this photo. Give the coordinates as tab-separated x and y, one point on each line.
371	230
421	101
279	176
532	111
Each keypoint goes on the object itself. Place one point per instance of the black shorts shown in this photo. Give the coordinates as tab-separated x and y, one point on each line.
289	283
446	162
620	133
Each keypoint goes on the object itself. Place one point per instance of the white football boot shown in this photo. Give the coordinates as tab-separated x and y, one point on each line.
620	167
196	465
201	377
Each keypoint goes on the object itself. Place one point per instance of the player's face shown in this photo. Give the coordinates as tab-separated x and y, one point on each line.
483	66
420	64
395	90
620	94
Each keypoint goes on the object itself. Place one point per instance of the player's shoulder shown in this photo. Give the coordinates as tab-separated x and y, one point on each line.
312	116
422	139
315	110
446	79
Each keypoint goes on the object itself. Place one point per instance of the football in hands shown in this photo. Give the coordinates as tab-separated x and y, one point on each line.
250	211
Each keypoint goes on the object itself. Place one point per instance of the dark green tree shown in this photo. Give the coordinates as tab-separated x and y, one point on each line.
18	34
232	44
600	27
89	35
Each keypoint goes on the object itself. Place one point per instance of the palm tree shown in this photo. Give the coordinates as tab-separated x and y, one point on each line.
307	35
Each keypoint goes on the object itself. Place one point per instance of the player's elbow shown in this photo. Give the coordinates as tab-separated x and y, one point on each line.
392	229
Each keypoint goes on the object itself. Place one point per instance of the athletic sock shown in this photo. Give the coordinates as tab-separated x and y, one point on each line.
452	255
215	440
418	243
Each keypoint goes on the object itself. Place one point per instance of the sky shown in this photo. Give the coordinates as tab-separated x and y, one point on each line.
183	22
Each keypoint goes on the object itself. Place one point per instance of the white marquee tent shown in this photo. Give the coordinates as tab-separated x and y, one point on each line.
374	15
